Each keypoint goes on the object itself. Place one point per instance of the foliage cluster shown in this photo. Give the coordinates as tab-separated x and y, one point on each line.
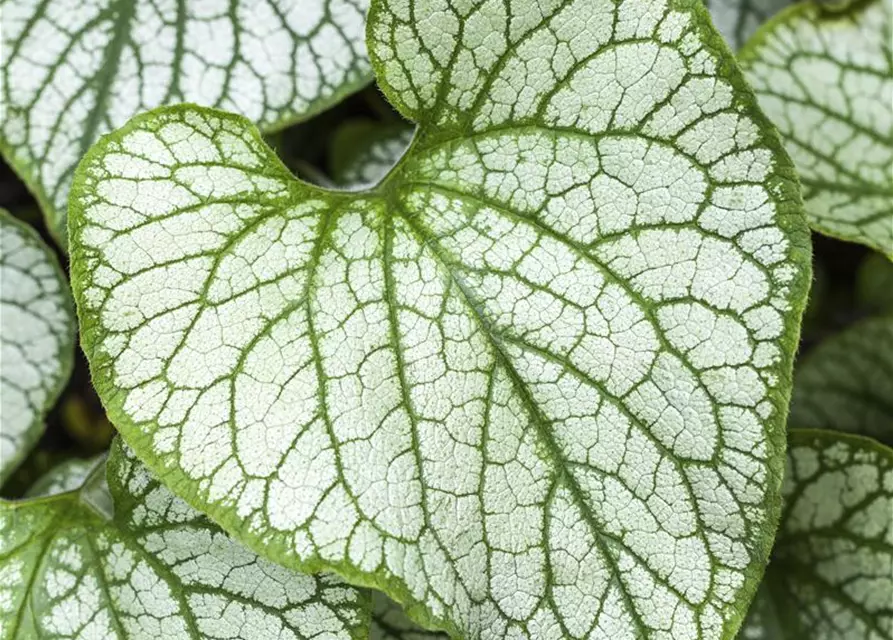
428	319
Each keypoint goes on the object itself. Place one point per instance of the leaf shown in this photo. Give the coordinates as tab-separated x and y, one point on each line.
156	569
363	152
737	20
531	385
831	574
846	383
825	79
69	76
66	476
763	621
37	328
389	622
874	284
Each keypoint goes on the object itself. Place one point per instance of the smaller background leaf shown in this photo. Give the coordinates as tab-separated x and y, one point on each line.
831	573
73	72
157	569
874	284
37	335
825	78
68	475
363	151
846	383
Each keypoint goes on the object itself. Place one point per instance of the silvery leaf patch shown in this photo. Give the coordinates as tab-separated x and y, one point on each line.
73	71
846	382
155	569
68	475
532	384
362	154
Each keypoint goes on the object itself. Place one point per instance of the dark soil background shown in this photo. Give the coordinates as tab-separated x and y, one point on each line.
77	426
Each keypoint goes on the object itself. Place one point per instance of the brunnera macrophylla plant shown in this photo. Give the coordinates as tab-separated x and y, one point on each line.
532	384
528	377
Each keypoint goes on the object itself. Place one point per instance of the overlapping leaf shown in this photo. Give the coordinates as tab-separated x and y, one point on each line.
389	622
363	152
157	569
846	383
874	284
69	475
825	78
71	73
533	384
36	337
737	20
831	574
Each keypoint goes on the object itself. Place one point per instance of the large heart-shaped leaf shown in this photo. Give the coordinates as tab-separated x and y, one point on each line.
156	569
72	72
533	384
846	383
831	574
36	337
825	78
